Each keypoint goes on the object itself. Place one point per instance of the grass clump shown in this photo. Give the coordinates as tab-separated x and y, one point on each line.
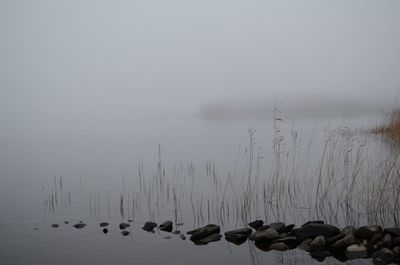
391	128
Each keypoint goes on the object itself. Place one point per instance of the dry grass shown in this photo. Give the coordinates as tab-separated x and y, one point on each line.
391	128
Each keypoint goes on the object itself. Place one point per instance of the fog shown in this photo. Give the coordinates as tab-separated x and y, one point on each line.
72	60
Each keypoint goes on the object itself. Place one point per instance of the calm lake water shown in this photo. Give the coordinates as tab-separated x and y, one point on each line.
187	170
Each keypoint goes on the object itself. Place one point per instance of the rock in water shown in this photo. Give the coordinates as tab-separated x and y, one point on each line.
176	232
343	243
104	224
290	241
54	225
79	225
238	236
123	226
279	246
257	224
66	222
166	226
149	226
124	232
265	235
204	232
182	236
356	252
317	244
313	230
205	240
278	226
105	230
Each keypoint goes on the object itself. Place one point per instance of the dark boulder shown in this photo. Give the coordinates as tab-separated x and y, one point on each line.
104	224
384	254
320	255
176	232
105	230
313	230
279	246
257	224
54	225
286	229
79	225
343	243
124	232
278	226
393	231
149	226
366	232
123	226
265	235
203	232
318	244
238	236
182	236
291	241
166	226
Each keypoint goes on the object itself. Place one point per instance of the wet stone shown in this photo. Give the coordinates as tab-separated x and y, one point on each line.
279	246
366	232
393	231
356	252
104	224
265	235
278	226
79	225
256	224
166	226
182	236
149	226
317	244
313	230
305	244
290	241
204	232
384	254
54	225
176	232
287	229
387	241
105	230
123	226
343	243
238	236
124	232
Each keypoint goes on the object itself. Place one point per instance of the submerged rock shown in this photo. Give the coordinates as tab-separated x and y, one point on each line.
320	255
279	246
265	235
66	222
176	232
54	225
343	243
105	230
318	244
149	226
124	232
79	225
182	236
203	232
123	226
238	236
257	224
104	224
278	226
356	252
166	226
366	232
313	230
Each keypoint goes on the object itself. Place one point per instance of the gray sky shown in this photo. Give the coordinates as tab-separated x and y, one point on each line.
63	59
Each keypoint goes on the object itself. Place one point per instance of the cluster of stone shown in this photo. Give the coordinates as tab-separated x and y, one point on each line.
317	238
